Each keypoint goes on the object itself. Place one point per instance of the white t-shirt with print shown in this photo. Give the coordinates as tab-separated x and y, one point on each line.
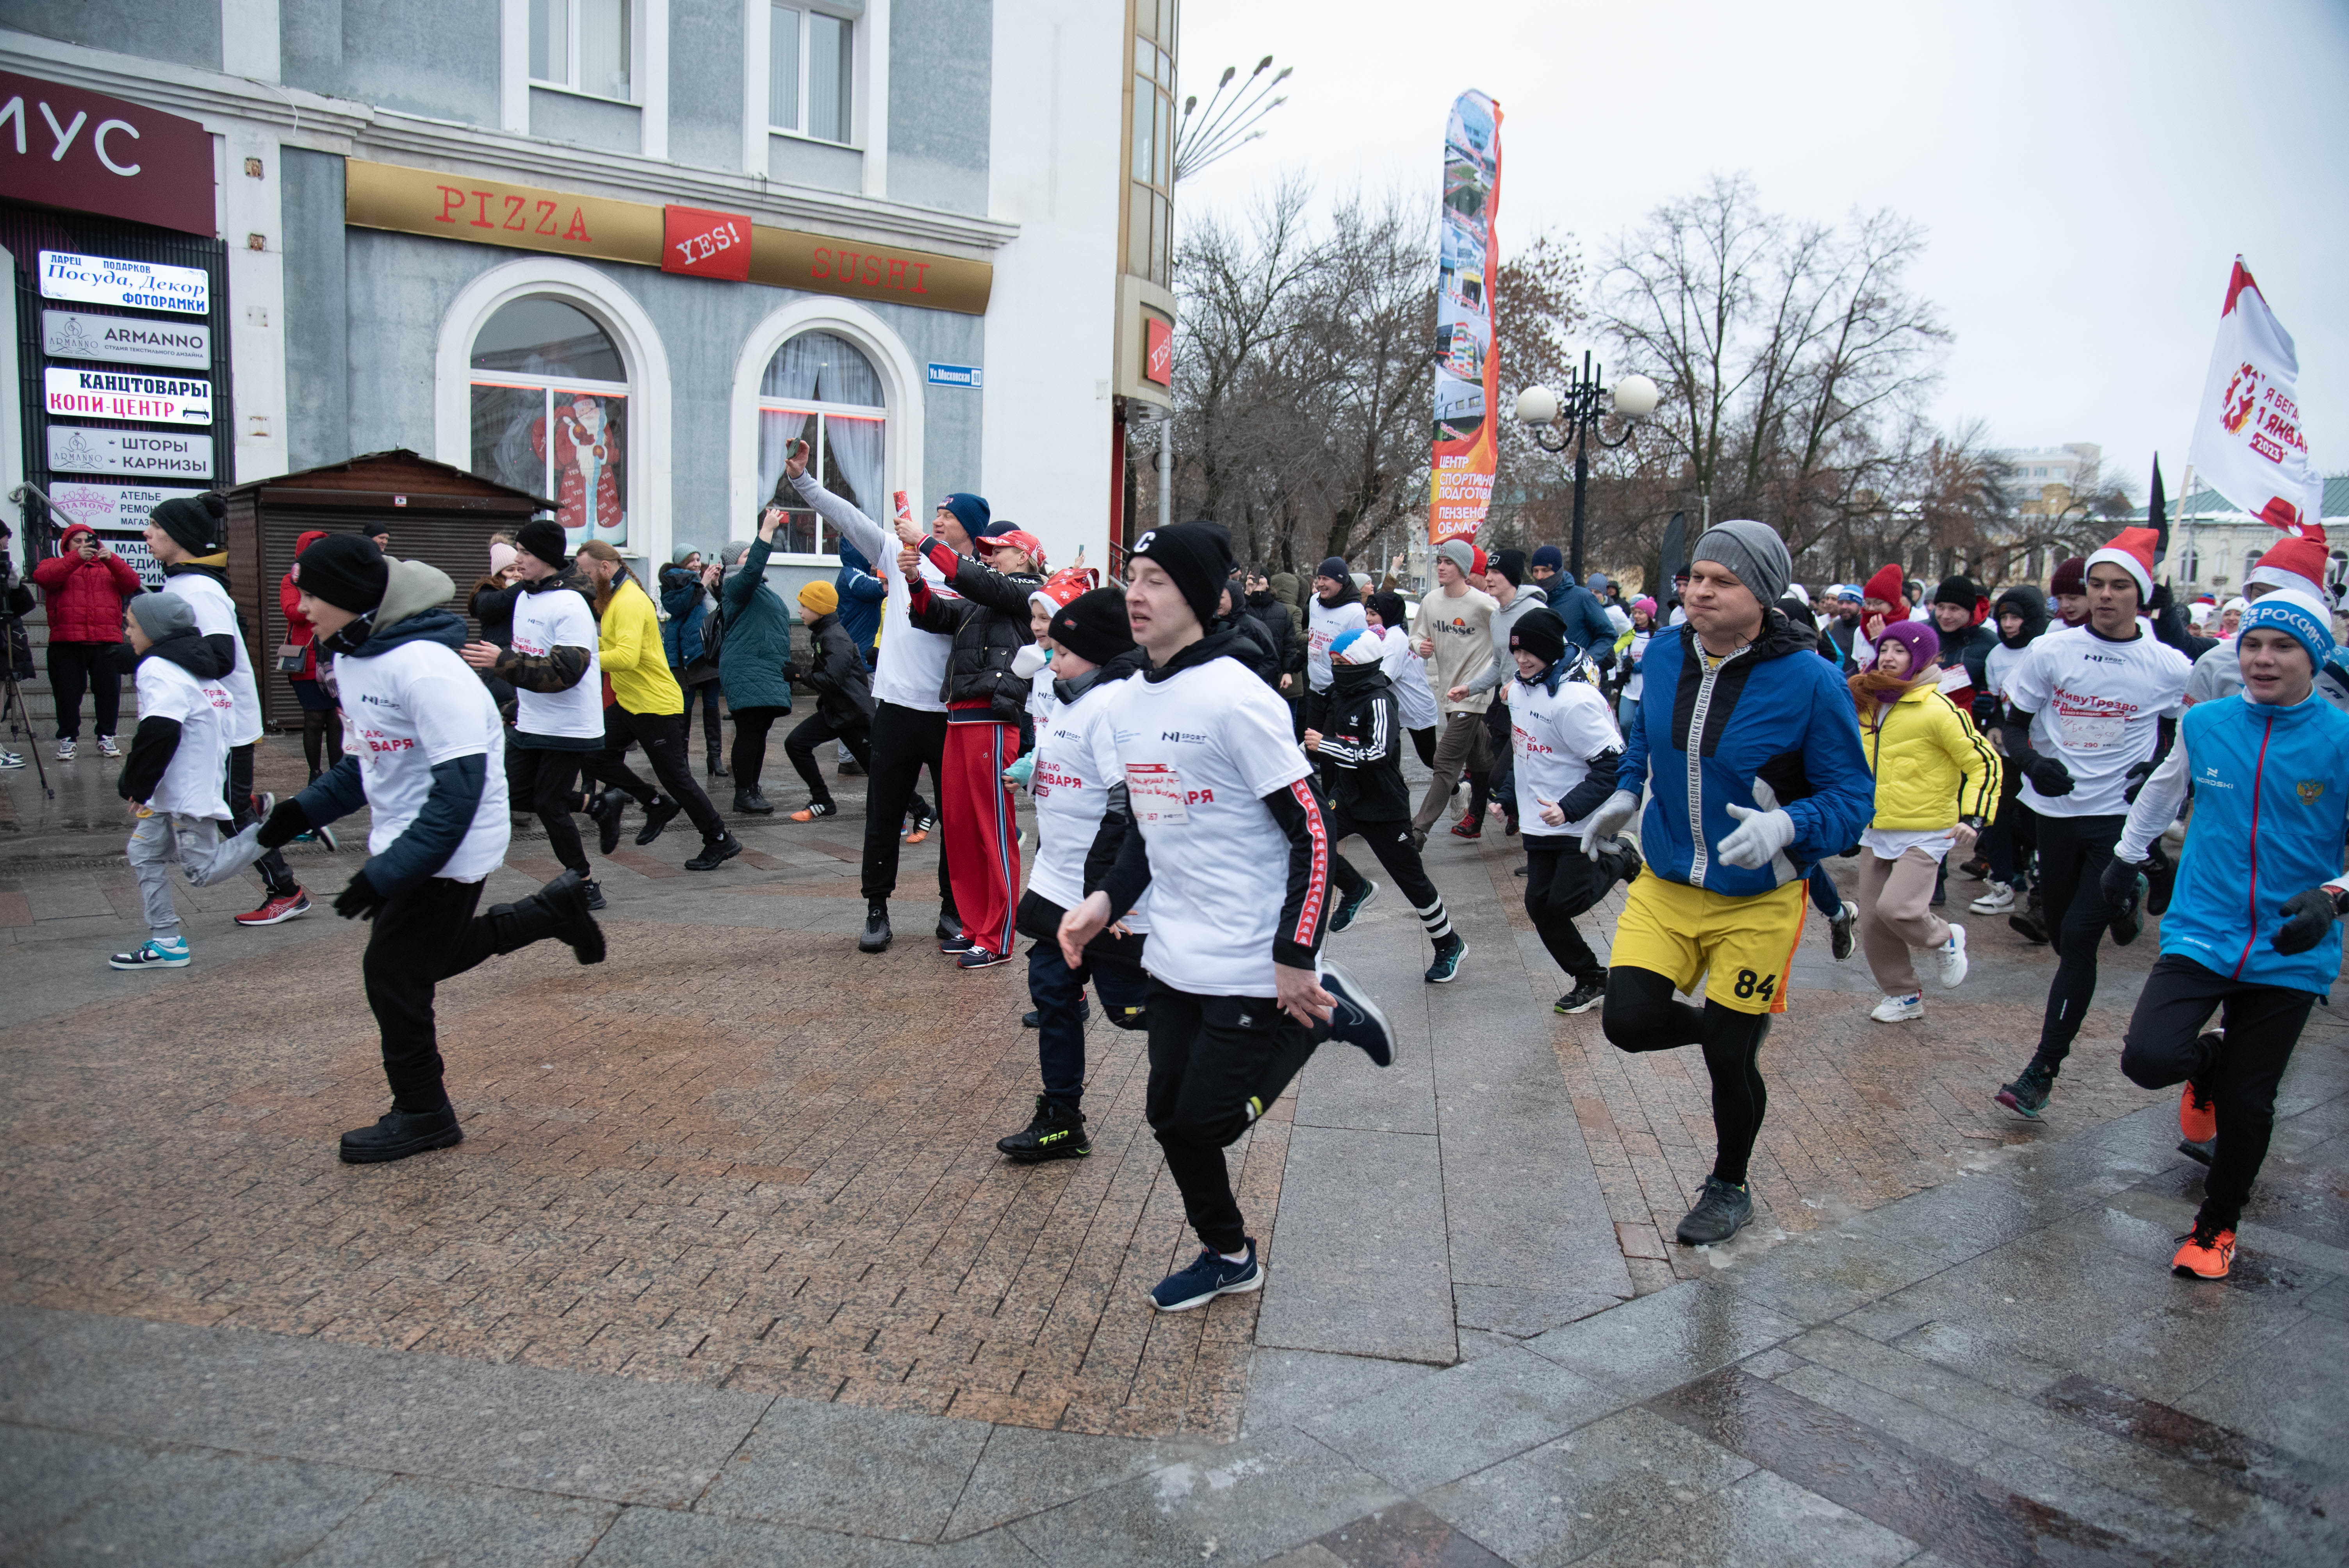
1553	737
1323	626
1200	749
193	780
553	618
1076	763
215	615
1406	672
2102	702
411	708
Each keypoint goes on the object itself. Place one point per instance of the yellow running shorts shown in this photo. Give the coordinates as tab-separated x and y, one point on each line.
1745	944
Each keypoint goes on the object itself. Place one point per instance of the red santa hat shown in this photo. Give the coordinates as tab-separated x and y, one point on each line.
1060	589
2131	550
2296	564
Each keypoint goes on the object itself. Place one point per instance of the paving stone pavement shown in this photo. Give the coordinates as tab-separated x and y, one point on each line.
726	1271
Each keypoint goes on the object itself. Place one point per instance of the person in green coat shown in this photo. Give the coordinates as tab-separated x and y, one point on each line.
754	657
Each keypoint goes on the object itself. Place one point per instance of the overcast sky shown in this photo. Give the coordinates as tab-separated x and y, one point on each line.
2085	169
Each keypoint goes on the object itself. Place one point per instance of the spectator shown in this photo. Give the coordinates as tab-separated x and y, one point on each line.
85	583
754	656
685	603
321	734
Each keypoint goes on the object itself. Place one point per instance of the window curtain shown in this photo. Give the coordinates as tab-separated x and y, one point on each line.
820	368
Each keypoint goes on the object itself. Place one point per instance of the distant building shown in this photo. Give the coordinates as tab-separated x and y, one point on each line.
2213	543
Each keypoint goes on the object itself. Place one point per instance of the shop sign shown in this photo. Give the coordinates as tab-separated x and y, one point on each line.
126	340
705	245
969	376
77	449
118	512
1158	359
127	395
63	147
524	216
133	285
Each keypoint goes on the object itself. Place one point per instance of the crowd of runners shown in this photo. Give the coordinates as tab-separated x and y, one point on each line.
1201	738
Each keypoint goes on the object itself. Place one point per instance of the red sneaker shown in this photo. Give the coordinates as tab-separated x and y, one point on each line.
277	910
2206	1254
2198	1116
1468	828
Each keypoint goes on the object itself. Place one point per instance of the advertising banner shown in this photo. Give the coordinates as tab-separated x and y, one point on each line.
134	285
2248	442
118	512
704	244
77	449
127	395
1467	373
66	147
126	340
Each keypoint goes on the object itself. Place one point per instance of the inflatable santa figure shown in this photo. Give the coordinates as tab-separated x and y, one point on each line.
588	493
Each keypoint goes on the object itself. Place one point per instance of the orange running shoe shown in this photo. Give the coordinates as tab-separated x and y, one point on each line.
2207	1253
2197	1115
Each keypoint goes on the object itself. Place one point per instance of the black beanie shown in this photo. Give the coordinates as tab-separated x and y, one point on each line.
1390	608
1334	567
1093	626
1540	632
346	570
194	523
1511	564
542	537
1958	590
1197	556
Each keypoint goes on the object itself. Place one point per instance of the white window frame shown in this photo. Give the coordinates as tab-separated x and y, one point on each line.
901	404
869	131
642	354
854	18
570	83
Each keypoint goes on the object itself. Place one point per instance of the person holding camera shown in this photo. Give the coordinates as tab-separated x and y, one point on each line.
86	584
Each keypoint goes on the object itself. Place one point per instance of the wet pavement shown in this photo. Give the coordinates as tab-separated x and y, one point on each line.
726	1269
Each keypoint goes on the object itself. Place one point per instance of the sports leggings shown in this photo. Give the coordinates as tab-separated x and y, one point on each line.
1641	1016
2072	853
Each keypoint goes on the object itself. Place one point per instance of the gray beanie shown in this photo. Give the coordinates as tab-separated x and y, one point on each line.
161	615
1751	550
1460	553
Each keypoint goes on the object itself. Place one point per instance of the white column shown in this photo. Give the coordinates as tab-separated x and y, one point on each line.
652	98
249	39
872	108
514	66
758	19
250	211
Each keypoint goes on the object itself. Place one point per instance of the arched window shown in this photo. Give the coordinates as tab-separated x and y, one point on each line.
550	413
821	389
2250	561
2190	564
2336	572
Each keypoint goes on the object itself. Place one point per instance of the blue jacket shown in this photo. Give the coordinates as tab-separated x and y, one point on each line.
861	595
2271	808
1778	731
682	597
1586	625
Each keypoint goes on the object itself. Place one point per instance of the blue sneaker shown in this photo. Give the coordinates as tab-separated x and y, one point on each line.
1356	1019
154	954
1210	1275
1352	905
1448	954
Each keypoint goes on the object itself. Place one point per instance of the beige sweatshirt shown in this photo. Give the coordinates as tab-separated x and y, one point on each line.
1461	630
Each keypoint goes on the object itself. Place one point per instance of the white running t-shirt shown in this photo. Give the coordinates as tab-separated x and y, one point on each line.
1076	764
1200	749
553	618
1406	673
1554	736
411	708
193	780
2102	702
215	615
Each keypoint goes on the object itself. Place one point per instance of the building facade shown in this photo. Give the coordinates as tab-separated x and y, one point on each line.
618	254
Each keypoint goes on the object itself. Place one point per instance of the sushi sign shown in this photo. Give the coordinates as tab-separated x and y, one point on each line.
128	394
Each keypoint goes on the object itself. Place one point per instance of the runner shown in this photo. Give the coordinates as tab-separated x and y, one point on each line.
844	689
1363	748
2007	846
1769	743
2112	695
1514	599
1455	639
1334	608
2271	775
1385	613
1220	792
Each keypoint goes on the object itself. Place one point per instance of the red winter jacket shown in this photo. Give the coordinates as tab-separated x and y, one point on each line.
85	597
298	630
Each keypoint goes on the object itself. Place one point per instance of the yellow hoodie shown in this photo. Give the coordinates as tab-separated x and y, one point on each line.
1931	765
628	644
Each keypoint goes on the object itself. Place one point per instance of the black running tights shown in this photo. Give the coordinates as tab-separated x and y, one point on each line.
2072	852
1641	1016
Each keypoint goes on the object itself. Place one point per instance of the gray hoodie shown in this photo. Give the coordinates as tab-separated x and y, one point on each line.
1505	621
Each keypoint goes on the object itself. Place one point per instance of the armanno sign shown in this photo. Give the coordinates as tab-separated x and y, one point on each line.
126	340
134	285
76	450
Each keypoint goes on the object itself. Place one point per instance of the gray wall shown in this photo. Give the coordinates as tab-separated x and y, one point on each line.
436	57
317	343
819	165
941	63
187	32
705	83
599	123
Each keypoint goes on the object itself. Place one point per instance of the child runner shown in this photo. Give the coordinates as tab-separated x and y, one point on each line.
842	685
1384	613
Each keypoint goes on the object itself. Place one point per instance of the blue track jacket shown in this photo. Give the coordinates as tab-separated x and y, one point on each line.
1773	731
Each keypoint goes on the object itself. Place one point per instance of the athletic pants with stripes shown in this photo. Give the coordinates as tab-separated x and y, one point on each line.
981	827
1391	841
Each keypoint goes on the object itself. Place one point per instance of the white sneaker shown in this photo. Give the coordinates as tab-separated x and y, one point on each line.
105	746
64	751
1950	959
11	759
1997	901
1900	1009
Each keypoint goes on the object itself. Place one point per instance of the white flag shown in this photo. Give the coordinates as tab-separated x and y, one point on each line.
2248	442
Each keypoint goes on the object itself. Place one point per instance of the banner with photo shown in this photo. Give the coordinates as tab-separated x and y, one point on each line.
1467	371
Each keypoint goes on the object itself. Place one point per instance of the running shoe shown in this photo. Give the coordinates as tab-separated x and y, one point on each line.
1586	995
605	809
2197	1115
1950	959
1976	867
978	957
876	936
64	751
658	816
325	834
1352	905
1722	1211
397	1134
154	954
11	759
2201	1154
814	809
1356	1019
955	945
1468	828
1211	1274
105	746
1997	901
1030	1020
1900	1009
715	853
2032	923
2027	1095
1621	858
1842	927
2208	1250
1056	1131
277	909
918	828
595	893
1448	954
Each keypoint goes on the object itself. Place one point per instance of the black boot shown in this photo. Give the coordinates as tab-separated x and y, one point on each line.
751	802
605	809
717	762
1057	1131
877	929
401	1133
558	910
658	816
715	853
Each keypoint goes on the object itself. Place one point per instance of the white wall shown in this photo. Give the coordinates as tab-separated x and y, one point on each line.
1060	68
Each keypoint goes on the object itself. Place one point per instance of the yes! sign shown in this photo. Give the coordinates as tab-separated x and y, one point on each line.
705	244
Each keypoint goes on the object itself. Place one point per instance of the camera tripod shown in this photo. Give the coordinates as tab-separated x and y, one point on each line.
12	700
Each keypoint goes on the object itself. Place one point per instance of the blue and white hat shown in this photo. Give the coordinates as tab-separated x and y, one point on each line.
2296	614
1356	645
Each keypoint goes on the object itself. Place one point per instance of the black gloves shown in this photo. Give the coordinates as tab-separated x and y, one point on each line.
2123	886
2134	779
2047	775
2305	917
360	900
1985	709
288	822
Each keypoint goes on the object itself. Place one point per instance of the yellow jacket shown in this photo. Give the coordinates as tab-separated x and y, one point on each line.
628	641
1931	765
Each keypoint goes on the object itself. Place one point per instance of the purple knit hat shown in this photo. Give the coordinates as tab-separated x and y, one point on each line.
1923	642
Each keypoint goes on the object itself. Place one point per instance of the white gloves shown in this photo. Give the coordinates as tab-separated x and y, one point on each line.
1608	820
1757	837
1031	658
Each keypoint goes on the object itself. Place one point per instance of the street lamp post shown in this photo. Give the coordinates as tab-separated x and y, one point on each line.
1567	419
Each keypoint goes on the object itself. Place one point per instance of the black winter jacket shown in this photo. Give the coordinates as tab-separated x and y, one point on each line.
1258	648
836	674
1281	622
1364	729
988	624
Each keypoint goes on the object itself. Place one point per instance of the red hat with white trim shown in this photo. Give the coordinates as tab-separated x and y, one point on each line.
1061	588
2294	562
2131	550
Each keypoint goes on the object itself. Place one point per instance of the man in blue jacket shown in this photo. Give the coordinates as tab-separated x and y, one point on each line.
1771	746
2251	929
862	594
